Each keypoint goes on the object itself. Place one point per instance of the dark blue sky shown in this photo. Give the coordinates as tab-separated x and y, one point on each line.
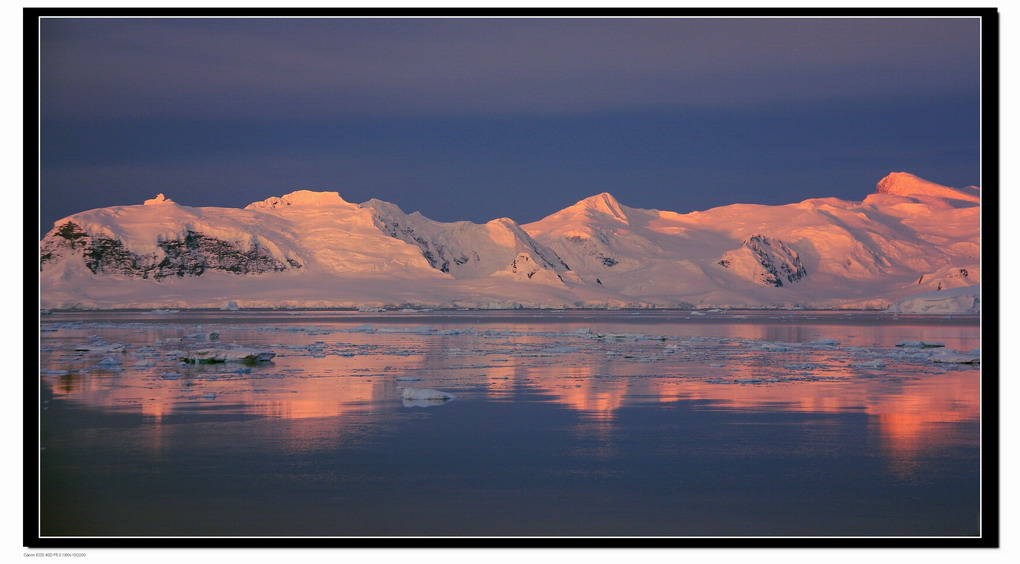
472	119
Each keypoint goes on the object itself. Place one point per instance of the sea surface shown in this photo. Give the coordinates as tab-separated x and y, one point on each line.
561	423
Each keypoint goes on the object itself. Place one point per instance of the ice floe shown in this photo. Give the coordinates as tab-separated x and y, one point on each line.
920	344
876	363
211	336
101	348
227	355
953	357
417	397
710	359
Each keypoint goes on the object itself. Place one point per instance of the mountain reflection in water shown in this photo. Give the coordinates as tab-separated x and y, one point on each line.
338	383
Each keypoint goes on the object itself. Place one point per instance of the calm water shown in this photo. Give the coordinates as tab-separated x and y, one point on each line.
564	423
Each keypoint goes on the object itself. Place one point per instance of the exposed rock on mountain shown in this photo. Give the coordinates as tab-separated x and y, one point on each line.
769	262
464	249
313	249
188	255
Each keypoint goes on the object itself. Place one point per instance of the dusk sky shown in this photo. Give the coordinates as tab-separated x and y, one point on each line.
473	119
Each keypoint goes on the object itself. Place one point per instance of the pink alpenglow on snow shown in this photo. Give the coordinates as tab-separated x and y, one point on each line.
909	236
159	199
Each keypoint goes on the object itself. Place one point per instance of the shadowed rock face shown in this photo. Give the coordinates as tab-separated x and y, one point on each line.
191	255
438	256
773	262
779	261
447	247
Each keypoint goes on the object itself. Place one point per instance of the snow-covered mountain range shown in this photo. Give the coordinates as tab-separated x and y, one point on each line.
313	249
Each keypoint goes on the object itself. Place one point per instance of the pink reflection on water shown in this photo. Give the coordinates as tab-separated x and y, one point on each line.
315	390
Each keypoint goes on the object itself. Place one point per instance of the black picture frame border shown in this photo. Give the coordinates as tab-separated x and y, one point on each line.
990	417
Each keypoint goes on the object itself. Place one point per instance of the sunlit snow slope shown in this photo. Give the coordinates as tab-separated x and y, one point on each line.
313	249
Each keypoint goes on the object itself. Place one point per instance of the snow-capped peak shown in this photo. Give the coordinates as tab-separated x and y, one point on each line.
300	198
159	199
604	203
384	207
906	184
314	248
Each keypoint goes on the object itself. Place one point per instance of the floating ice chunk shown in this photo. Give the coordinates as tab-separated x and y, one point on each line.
101	348
172	376
208	396
419	330
623	336
954	357
203	336
369	309
227	355
415	397
230	306
877	363
805	366
920	344
408	379
553	350
109	361
828	342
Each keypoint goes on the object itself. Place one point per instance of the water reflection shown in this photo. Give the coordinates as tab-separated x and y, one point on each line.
326	374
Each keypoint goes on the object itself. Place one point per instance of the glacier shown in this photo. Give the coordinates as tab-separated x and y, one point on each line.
907	238
962	300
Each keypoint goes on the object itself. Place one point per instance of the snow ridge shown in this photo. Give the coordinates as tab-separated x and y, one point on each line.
300	198
906	184
313	249
464	249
